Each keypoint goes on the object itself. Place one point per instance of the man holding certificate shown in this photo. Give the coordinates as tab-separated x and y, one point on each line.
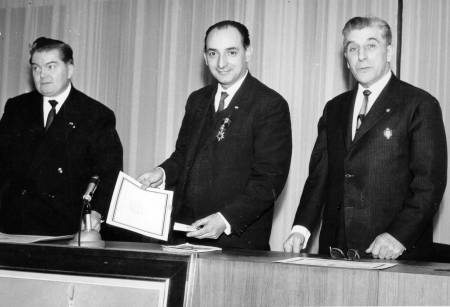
233	150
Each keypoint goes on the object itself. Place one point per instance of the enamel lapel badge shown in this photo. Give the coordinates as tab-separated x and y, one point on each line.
387	133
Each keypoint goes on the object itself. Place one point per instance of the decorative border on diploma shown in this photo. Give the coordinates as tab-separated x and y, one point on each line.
158	214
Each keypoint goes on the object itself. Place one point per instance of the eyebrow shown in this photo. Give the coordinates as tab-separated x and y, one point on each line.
369	39
51	62
226	49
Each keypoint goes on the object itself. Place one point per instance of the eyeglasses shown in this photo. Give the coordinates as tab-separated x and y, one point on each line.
337	253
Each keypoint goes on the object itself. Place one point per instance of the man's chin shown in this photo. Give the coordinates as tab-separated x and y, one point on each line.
225	82
364	80
46	93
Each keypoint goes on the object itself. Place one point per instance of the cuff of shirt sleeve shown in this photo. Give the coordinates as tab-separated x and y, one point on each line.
162	186
227	230
303	231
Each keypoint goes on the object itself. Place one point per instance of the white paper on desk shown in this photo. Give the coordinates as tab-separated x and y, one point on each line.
190	248
14	238
143	211
335	263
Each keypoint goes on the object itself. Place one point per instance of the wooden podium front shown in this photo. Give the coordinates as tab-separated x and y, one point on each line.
140	274
60	275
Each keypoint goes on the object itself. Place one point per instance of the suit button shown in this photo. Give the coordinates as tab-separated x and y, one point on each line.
349	175
51	196
23	192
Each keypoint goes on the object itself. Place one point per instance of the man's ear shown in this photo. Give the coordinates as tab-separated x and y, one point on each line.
206	58
248	53
389	53
70	70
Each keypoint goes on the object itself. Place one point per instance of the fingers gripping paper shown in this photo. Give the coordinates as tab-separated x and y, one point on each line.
143	211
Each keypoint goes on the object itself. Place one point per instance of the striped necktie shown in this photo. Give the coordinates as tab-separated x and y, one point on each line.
363	110
51	114
223	96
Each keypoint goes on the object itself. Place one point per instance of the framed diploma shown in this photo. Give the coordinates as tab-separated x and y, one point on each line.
143	211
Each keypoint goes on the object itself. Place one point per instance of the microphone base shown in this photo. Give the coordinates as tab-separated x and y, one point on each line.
88	239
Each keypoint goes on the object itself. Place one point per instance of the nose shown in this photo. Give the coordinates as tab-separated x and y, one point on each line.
362	54
42	73
222	61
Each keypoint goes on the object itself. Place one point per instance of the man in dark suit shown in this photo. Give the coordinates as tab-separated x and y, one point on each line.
378	167
52	141
233	150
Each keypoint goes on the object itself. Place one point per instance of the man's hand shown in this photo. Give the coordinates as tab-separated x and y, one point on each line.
210	227
294	243
152	179
385	246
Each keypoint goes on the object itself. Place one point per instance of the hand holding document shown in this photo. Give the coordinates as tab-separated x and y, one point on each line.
143	211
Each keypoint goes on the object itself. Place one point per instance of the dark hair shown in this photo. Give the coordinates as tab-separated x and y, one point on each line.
47	44
230	23
358	23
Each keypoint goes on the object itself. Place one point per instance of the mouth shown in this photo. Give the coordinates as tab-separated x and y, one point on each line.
223	72
364	69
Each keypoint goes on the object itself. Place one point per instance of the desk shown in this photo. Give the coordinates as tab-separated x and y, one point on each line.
252	279
228	278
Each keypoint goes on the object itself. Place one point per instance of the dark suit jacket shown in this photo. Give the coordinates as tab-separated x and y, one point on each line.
249	166
45	174
390	178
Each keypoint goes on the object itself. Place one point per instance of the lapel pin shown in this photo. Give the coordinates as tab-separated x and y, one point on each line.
72	125
236	107
60	170
388	110
387	133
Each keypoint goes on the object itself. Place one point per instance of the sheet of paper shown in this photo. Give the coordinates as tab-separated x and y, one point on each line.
11	238
143	211
369	265
189	248
183	227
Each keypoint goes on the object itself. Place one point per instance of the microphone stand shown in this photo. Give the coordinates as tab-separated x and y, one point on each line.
88	237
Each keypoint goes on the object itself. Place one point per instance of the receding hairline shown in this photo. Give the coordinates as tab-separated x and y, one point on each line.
224	24
359	23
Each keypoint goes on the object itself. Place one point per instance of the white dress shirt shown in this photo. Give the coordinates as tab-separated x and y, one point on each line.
61	98
230	91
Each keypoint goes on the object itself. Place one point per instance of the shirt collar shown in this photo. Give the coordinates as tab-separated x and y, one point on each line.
232	89
377	87
61	98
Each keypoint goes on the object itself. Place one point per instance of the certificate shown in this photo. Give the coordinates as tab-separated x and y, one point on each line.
143	211
339	263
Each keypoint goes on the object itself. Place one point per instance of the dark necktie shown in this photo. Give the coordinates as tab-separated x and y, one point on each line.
223	95
363	110
51	114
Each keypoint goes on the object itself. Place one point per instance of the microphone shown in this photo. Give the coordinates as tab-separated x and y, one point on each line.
88	237
87	197
90	190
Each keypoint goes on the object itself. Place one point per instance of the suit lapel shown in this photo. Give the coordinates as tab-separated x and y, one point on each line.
384	104
347	119
36	115
203	106
239	103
